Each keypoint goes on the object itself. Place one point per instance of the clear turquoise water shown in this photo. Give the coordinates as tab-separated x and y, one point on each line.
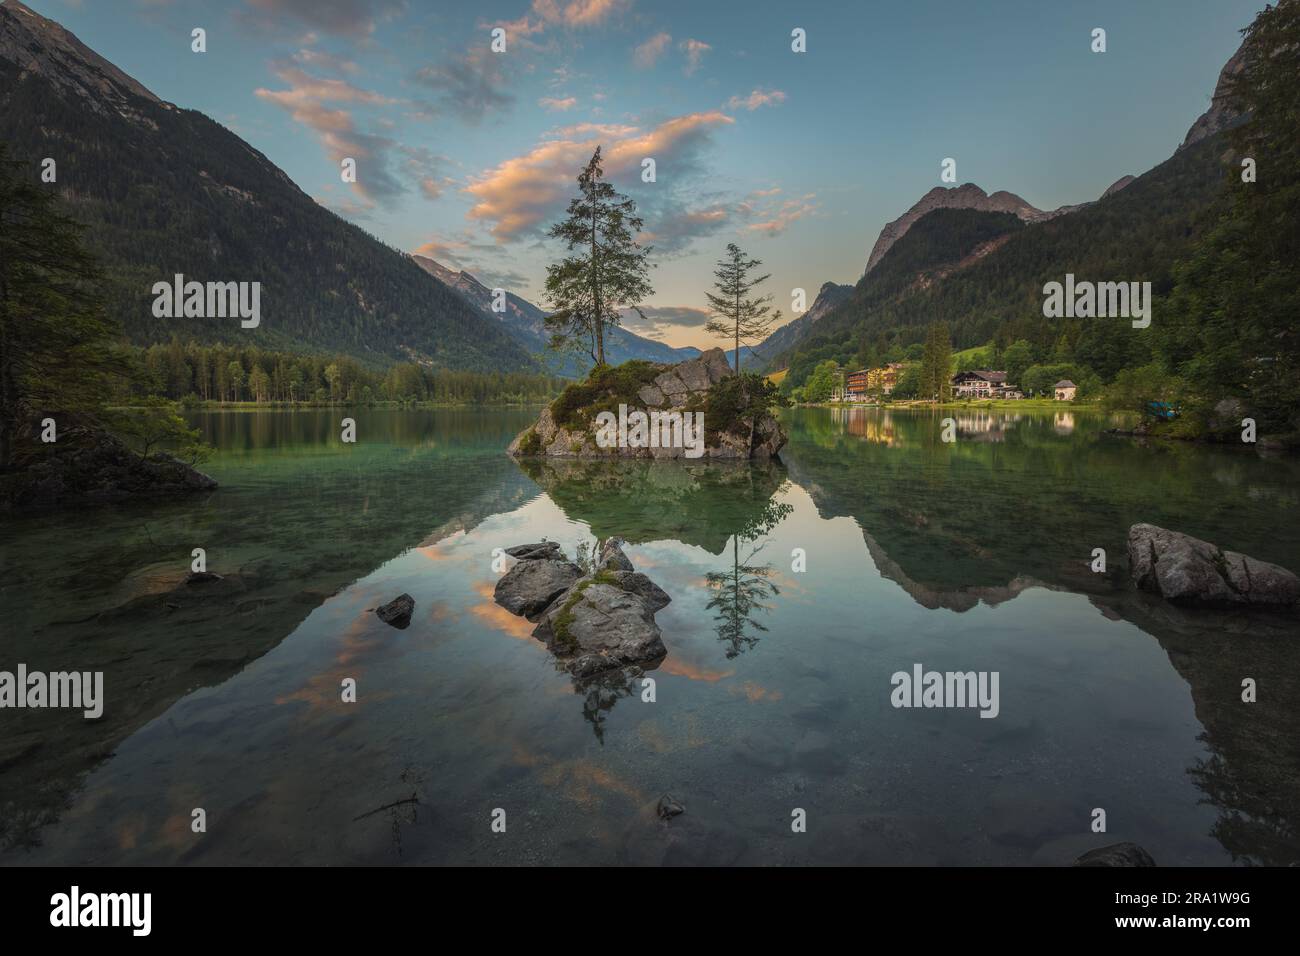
971	556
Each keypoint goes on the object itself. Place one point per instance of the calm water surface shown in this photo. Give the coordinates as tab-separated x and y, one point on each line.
774	694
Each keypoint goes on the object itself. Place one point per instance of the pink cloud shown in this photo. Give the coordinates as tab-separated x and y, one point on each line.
574	14
445	253
786	213
756	99
558	105
646	54
521	193
694	50
305	100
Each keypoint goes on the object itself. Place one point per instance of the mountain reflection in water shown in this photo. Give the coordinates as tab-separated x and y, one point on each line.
972	555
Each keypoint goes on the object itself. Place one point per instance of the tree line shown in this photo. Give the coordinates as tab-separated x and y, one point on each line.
62	354
193	372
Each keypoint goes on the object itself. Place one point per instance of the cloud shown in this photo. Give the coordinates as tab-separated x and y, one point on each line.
355	18
312	102
445	253
777	219
556	13
305	88
471	85
755	99
678	227
662	320
645	55
306	101
519	196
603	130
694	50
325	61
559	105
425	169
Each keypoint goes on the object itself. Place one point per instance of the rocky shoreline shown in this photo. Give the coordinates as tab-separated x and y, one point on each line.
736	421
89	468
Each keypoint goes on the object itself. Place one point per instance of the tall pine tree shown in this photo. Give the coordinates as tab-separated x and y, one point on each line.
59	353
936	364
608	271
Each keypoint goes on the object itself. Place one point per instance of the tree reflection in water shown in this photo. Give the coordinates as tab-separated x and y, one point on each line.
741	591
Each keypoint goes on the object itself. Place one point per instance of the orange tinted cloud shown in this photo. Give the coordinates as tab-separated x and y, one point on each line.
756	99
557	104
306	101
574	14
694	50
522	192
788	212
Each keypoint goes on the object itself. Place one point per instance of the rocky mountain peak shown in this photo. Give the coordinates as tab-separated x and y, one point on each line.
1117	185
438	270
1221	113
830	295
965	196
42	47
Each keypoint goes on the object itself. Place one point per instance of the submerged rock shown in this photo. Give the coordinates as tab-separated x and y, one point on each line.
1117	854
202	577
397	612
534	583
668	807
1187	570
546	550
594	624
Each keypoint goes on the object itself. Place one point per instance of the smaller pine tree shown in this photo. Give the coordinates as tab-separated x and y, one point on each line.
739	316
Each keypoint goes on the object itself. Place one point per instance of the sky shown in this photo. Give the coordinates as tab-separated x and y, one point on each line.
468	155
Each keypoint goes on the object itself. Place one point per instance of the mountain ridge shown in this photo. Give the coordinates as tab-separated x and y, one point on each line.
164	190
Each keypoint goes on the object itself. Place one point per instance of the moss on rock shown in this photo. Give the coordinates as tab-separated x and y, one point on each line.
603	390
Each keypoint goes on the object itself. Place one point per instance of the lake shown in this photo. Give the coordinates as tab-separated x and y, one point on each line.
798	589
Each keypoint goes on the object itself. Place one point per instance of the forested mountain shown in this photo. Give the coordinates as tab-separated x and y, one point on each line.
965	196
783	339
166	190
983	275
777	348
1135	234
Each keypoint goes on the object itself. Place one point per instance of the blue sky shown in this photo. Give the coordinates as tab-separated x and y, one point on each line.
468	155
